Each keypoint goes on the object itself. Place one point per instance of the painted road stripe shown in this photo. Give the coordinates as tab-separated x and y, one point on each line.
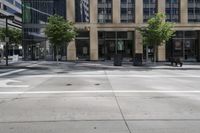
96	76
15	71
11	72
103	91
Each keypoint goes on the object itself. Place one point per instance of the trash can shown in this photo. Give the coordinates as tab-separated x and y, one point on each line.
118	60
137	61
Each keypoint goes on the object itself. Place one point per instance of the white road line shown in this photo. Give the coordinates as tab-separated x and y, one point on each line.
11	72
103	91
96	76
15	71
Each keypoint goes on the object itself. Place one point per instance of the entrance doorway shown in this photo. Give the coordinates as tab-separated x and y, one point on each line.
186	49
111	43
83	45
184	45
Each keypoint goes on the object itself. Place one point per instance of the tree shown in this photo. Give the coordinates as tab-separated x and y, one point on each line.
15	35
156	32
59	31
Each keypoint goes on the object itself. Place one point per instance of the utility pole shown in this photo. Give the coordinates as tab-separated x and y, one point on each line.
7	38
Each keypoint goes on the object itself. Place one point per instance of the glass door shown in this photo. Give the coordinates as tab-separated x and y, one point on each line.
190	50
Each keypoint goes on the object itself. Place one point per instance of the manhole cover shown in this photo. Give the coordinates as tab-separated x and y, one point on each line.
68	84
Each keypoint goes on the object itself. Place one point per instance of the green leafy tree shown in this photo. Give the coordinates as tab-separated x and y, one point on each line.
156	32
15	35
59	31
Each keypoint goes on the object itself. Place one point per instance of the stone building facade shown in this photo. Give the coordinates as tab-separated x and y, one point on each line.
107	27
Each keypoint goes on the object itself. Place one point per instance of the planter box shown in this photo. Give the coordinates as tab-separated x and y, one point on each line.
118	60
137	61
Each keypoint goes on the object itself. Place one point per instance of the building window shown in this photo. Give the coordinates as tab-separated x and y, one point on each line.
111	43
83	45
173	10
12	11
149	9
184	44
10	1
18	5
127	11
37	11
105	11
82	10
193	10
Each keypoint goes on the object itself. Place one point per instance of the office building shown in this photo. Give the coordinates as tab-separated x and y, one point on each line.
11	7
107	27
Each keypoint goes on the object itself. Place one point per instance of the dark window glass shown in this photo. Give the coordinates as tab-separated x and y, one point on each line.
173	10
18	5
104	11
38	11
82	10
83	45
127	11
193	10
11	11
35	16
149	9
83	34
10	1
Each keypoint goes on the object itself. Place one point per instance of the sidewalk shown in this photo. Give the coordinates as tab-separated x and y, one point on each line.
105	65
129	65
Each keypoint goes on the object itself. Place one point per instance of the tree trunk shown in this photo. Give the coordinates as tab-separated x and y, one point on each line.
57	54
147	53
155	53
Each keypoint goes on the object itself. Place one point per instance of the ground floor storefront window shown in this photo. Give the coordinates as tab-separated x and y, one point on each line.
185	45
83	45
42	50
111	43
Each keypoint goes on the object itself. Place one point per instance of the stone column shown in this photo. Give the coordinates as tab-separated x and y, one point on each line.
139	11
161	6
162	48
162	52
138	21
93	11
116	10
71	10
71	49
184	11
138	43
93	43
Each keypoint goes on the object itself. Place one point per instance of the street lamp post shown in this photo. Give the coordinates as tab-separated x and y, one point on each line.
7	38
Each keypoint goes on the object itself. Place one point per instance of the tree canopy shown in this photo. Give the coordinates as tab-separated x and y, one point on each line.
15	35
59	31
157	30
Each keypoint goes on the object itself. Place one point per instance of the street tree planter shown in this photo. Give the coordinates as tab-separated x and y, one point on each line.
137	61
118	60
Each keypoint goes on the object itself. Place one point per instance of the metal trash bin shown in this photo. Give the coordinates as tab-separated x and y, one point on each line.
118	60
137	61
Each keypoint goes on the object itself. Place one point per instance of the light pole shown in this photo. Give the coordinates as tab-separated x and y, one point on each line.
7	38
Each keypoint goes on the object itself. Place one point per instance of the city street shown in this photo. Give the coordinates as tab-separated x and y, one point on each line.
96	97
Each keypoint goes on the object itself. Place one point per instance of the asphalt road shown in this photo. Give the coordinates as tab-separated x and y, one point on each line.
46	97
